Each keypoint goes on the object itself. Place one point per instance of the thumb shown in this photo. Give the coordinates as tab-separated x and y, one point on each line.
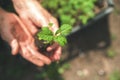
14	46
10	39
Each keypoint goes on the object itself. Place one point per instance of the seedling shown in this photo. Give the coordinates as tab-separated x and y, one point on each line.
71	11
46	37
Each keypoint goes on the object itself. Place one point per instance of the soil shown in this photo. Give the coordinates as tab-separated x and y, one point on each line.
87	53
40	44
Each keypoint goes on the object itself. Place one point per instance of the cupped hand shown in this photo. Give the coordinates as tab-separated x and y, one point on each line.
13	31
35	16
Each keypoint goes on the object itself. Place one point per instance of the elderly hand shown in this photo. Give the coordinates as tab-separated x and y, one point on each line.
35	16
13	31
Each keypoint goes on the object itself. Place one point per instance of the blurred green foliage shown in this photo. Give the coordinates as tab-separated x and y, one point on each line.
71	11
115	75
111	53
113	36
53	71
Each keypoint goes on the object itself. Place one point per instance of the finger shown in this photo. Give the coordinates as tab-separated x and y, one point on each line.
15	46
55	26
30	26
22	26
57	54
39	55
10	39
52	47
28	56
39	20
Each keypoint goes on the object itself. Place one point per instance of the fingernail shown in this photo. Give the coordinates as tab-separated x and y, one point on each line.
14	47
49	49
57	57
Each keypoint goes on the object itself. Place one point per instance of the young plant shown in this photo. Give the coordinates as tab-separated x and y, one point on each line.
71	11
48	37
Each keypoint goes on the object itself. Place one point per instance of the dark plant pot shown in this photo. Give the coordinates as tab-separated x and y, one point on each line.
41	45
109	8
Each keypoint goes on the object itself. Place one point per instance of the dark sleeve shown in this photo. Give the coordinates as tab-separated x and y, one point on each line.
7	5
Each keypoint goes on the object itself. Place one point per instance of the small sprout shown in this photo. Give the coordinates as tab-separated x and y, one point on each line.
59	36
111	53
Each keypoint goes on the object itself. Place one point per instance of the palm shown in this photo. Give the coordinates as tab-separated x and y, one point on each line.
13	30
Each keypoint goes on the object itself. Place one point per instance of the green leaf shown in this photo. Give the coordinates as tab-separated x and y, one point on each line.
50	24
45	30
61	40
61	70
45	37
65	18
84	19
45	34
65	10
64	30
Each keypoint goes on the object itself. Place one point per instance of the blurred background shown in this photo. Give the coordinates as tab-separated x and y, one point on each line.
92	52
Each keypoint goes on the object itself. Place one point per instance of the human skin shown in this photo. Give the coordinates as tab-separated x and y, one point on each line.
35	16
19	32
13	31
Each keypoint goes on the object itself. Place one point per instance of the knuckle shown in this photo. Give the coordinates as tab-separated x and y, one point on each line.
41	64
55	20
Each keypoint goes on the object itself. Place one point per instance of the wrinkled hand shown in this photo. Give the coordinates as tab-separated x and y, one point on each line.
15	33
35	16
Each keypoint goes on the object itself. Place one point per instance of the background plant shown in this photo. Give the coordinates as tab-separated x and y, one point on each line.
111	53
71	11
53	71
115	75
